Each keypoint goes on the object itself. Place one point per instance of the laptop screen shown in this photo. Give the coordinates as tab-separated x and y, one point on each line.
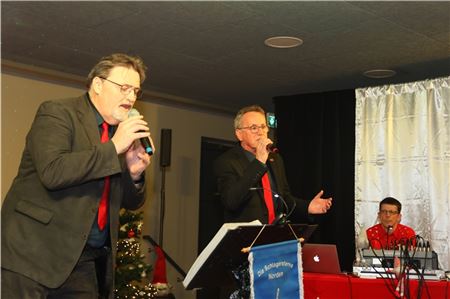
320	258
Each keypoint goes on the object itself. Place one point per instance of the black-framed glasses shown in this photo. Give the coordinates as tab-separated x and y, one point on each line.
254	128
126	89
387	212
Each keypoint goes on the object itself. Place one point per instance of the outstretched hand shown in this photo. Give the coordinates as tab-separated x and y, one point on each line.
319	205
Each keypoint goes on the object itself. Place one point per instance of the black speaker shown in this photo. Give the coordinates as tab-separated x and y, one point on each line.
166	147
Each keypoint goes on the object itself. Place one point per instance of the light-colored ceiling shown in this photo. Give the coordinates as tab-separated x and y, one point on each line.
212	54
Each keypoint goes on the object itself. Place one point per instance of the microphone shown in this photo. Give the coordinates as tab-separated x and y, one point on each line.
271	148
144	141
282	217
389	231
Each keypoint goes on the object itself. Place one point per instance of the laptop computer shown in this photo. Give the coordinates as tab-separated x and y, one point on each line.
320	258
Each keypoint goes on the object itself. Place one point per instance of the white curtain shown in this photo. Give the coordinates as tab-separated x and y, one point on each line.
403	151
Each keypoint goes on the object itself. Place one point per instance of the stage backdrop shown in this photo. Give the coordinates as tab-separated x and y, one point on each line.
316	138
403	151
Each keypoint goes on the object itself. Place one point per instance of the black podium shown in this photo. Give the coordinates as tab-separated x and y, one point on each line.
223	254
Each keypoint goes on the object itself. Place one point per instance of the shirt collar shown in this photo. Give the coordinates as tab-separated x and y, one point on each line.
98	117
249	155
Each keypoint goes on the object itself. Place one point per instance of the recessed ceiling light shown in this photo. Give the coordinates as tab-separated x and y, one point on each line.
283	42
379	74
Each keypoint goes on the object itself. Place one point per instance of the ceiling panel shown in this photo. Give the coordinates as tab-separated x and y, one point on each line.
212	53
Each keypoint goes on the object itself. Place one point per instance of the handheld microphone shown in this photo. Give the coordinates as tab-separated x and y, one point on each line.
271	148
144	141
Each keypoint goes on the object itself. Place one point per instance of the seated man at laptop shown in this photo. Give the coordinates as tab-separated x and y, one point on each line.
389	233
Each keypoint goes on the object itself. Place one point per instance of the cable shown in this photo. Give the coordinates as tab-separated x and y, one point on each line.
422	278
388	281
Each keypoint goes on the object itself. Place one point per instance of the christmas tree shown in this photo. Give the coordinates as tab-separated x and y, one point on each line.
131	270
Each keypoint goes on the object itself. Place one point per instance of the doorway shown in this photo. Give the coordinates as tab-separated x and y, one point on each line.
211	210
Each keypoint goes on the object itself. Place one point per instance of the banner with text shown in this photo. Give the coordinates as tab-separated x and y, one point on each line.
276	271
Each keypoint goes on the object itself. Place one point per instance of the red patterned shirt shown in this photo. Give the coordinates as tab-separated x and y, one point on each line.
378	237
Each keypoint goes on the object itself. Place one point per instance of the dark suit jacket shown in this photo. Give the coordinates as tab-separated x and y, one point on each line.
236	175
49	210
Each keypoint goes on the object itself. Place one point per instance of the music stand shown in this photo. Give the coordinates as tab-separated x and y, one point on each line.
214	265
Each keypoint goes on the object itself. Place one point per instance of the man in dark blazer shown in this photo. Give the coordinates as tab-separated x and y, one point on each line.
240	170
53	242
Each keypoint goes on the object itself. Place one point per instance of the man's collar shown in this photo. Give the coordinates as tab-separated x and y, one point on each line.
98	116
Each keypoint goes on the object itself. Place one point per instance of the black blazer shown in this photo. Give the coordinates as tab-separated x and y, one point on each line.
49	210
236	175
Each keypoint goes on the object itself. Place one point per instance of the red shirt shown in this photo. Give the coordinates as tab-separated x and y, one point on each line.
378	237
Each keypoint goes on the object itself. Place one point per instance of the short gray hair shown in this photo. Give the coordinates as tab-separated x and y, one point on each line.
252	108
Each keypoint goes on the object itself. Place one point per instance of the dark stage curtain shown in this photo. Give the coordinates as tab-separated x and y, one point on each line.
316	137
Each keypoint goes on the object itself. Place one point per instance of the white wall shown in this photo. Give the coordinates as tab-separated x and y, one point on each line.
21	96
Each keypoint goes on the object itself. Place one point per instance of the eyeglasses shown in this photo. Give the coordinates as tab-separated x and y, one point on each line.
389	213
126	89
254	128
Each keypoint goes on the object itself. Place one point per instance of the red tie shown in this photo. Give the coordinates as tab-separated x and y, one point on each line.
268	197
103	207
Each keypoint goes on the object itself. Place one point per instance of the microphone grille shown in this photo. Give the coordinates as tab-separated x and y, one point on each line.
133	112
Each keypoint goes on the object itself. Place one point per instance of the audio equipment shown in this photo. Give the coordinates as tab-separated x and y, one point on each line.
422	259
380	272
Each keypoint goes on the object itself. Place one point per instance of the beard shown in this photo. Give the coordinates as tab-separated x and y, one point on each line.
119	115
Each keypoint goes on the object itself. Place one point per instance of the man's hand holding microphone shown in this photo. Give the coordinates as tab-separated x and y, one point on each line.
130	138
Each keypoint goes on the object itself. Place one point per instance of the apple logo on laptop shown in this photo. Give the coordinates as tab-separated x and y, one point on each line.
316	258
